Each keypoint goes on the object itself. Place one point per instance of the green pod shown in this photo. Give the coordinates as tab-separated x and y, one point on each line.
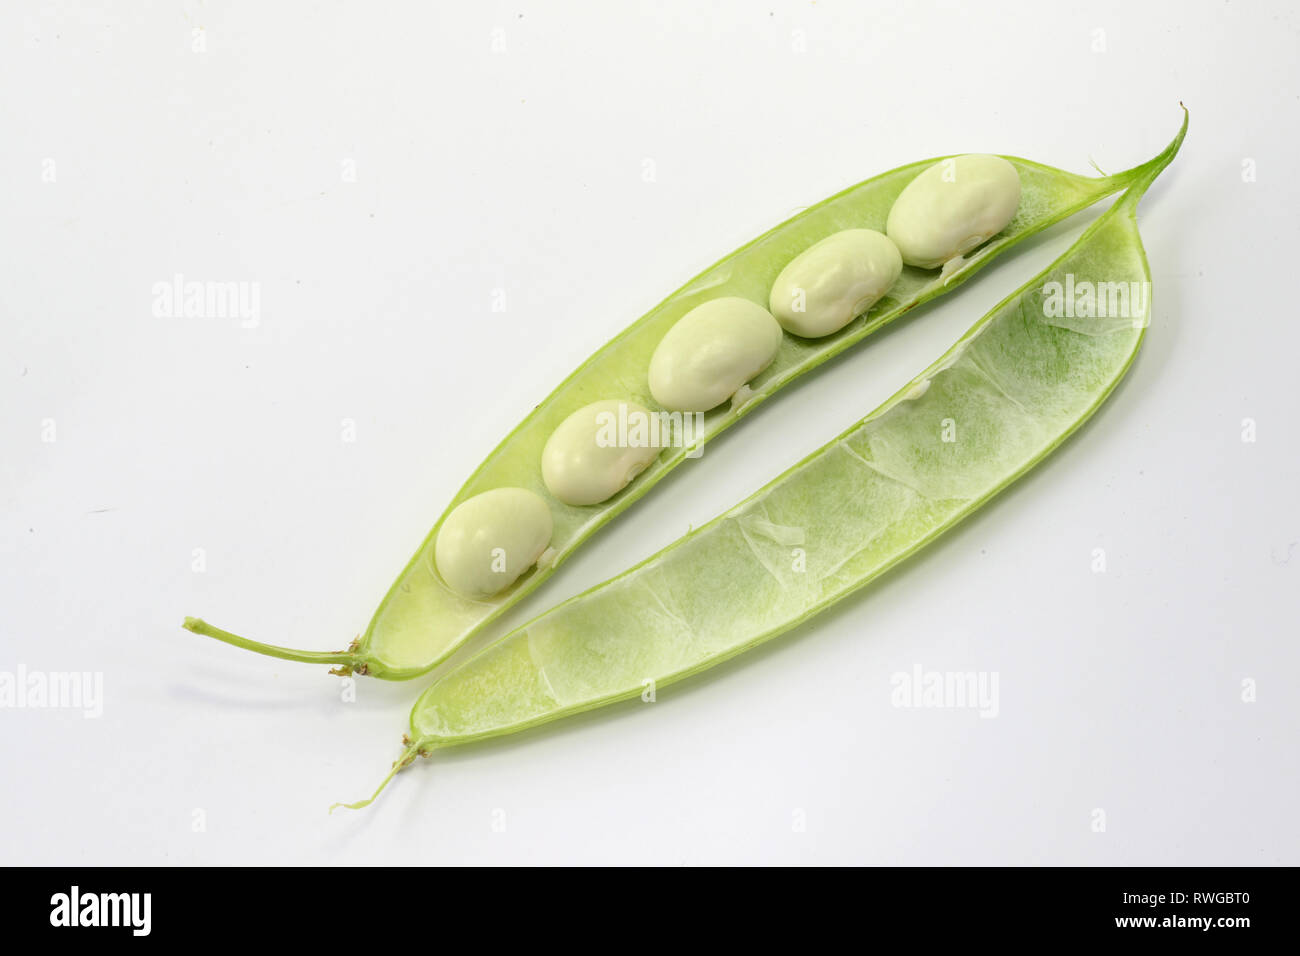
1014	387
421	621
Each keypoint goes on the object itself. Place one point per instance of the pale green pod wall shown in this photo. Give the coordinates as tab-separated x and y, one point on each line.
1014	388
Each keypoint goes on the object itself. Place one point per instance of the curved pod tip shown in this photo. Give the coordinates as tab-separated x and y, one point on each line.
1141	177
408	756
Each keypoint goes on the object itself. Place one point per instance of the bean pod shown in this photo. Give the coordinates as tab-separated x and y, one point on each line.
1011	390
425	617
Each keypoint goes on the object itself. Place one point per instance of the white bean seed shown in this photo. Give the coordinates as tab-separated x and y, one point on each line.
712	350
489	540
952	207
832	282
596	452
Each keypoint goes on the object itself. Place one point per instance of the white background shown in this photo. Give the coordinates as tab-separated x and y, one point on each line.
523	170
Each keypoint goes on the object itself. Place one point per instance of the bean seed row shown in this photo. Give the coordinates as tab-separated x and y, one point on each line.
711	353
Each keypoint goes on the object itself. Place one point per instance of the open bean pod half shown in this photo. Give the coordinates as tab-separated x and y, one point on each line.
422	620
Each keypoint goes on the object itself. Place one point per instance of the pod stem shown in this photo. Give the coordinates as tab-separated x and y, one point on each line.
347	659
413	750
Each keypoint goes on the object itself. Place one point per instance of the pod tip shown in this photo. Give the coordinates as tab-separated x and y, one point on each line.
413	750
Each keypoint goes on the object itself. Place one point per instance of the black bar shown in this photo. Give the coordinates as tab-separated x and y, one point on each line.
1162	905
